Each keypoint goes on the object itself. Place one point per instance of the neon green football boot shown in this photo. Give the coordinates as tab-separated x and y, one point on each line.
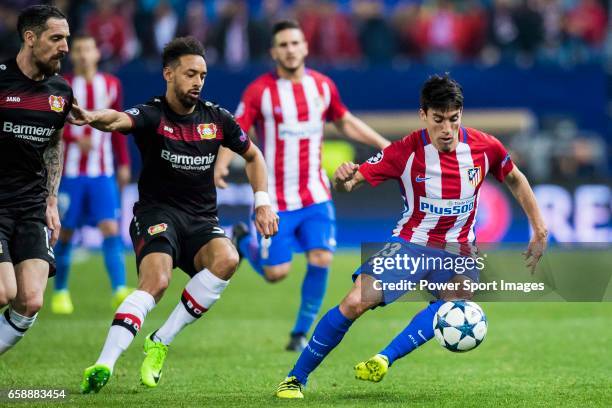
289	388
94	378
61	303
119	296
151	369
372	370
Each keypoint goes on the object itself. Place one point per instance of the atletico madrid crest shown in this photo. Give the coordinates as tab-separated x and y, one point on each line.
56	103
474	175
207	130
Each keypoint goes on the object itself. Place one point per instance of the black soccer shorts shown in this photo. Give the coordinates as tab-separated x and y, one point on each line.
174	232
24	235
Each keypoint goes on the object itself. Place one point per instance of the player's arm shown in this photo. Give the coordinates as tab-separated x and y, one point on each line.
347	177
224	158
266	219
106	120
356	129
54	161
521	190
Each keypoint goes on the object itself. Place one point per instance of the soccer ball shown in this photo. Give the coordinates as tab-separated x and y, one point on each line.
460	325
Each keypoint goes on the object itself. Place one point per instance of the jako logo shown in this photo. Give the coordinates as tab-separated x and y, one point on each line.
13	99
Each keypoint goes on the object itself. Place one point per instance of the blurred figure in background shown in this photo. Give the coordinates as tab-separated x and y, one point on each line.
88	190
377	38
288	109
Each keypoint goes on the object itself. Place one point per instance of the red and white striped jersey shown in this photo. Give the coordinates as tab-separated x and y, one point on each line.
102	92
440	189
289	119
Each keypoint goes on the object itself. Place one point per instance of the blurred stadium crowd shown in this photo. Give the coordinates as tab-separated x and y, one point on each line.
358	34
524	32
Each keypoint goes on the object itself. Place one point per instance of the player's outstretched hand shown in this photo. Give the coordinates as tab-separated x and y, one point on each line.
53	219
79	116
220	173
534	251
266	221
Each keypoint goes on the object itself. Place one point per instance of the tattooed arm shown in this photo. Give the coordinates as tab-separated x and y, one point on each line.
54	158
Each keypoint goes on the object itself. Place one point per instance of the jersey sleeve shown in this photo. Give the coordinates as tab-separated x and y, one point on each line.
234	137
500	162
249	108
336	109
387	164
144	117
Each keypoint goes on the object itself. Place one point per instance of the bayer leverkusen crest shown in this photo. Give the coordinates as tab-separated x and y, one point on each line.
207	130
56	103
474	175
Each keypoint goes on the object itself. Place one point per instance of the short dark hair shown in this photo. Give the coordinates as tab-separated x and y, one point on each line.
284	25
35	18
441	92
180	46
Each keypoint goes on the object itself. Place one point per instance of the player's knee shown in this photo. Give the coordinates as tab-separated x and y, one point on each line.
320	257
224	267
352	305
7	295
28	303
109	228
154	275
276	273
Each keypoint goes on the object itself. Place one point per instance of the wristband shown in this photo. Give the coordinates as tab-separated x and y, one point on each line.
261	198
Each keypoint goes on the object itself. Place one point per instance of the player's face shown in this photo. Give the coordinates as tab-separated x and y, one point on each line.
186	79
50	47
443	127
84	54
289	49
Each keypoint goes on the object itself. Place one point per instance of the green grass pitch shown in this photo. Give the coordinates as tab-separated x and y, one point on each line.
535	354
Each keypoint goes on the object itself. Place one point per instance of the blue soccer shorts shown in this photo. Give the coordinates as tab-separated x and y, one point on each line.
88	200
417	264
312	227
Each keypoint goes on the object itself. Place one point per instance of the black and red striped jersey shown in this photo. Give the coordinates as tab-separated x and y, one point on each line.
179	153
30	113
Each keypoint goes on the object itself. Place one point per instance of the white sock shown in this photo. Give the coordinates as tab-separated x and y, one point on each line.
200	293
127	323
12	328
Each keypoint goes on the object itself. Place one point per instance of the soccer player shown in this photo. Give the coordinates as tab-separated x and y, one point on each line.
88	191
175	220
436	167
34	104
288	109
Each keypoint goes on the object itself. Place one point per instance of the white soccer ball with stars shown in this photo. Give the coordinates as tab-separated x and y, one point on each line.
460	325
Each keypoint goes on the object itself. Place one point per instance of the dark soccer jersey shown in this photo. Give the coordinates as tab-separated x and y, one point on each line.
30	112
179	153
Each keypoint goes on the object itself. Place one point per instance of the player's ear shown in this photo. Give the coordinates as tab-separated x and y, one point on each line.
168	73
422	114
29	37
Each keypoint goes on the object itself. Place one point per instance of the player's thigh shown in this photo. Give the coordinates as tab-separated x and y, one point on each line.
30	240
317	231
154	232
8	284
103	201
360	298
71	201
31	276
219	256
